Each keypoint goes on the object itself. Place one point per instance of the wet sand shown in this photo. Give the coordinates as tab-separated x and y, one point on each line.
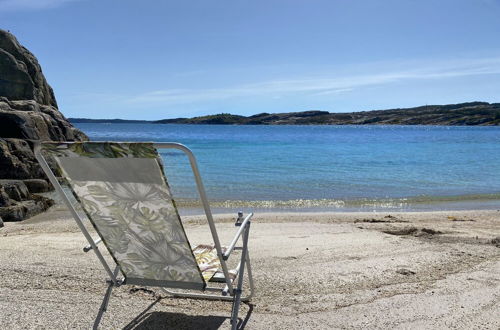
311	270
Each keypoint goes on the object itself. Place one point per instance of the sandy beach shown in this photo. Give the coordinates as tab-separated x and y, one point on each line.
312	271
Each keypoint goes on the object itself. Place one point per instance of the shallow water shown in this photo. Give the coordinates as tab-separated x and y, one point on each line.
328	167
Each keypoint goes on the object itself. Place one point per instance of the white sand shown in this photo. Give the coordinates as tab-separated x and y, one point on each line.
312	271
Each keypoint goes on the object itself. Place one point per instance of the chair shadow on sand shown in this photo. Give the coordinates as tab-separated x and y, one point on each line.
166	320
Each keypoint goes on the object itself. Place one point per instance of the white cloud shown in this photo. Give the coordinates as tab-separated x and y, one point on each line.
323	86
23	5
334	91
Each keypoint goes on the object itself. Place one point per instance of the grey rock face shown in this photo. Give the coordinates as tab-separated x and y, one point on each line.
29	120
17	160
22	77
28	112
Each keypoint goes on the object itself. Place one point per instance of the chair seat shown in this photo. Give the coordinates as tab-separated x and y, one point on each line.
122	189
209	263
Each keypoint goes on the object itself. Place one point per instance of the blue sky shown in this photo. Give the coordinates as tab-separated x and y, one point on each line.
164	59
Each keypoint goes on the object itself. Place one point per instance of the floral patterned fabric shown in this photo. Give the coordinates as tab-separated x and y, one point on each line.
209	263
132	210
101	149
207	260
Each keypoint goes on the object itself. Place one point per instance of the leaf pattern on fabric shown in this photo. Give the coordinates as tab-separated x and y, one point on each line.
135	229
101	149
209	262
138	222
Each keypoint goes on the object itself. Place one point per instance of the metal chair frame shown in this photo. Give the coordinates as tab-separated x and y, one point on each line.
228	293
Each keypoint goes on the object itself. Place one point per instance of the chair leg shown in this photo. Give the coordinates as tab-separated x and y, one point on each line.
239	289
104	306
235	310
105	301
250	279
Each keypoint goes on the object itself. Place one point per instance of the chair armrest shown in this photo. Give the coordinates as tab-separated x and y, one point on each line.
243	227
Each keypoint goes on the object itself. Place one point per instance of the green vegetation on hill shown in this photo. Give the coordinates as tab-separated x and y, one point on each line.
472	113
220	119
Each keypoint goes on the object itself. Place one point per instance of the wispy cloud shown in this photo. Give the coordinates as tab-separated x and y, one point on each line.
333	91
24	5
321	87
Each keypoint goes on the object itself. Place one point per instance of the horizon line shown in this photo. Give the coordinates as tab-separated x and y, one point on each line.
222	113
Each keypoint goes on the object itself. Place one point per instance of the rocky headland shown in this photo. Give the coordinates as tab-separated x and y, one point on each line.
28	112
472	113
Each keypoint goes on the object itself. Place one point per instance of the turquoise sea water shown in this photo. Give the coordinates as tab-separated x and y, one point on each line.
328	167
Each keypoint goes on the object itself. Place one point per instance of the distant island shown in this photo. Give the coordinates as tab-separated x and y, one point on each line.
109	121
470	113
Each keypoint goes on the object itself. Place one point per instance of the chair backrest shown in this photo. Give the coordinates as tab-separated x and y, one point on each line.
122	189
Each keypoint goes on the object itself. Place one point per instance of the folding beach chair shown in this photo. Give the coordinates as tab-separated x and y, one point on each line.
122	189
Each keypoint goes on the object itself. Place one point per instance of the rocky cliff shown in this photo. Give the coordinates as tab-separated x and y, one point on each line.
28	112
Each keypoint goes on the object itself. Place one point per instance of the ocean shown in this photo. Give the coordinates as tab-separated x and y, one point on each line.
326	168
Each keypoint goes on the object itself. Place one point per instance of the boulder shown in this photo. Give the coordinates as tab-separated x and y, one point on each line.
16	190
25	209
36	185
28	113
17	203
1	222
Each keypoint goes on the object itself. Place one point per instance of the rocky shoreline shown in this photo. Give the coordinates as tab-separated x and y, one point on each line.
28	113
